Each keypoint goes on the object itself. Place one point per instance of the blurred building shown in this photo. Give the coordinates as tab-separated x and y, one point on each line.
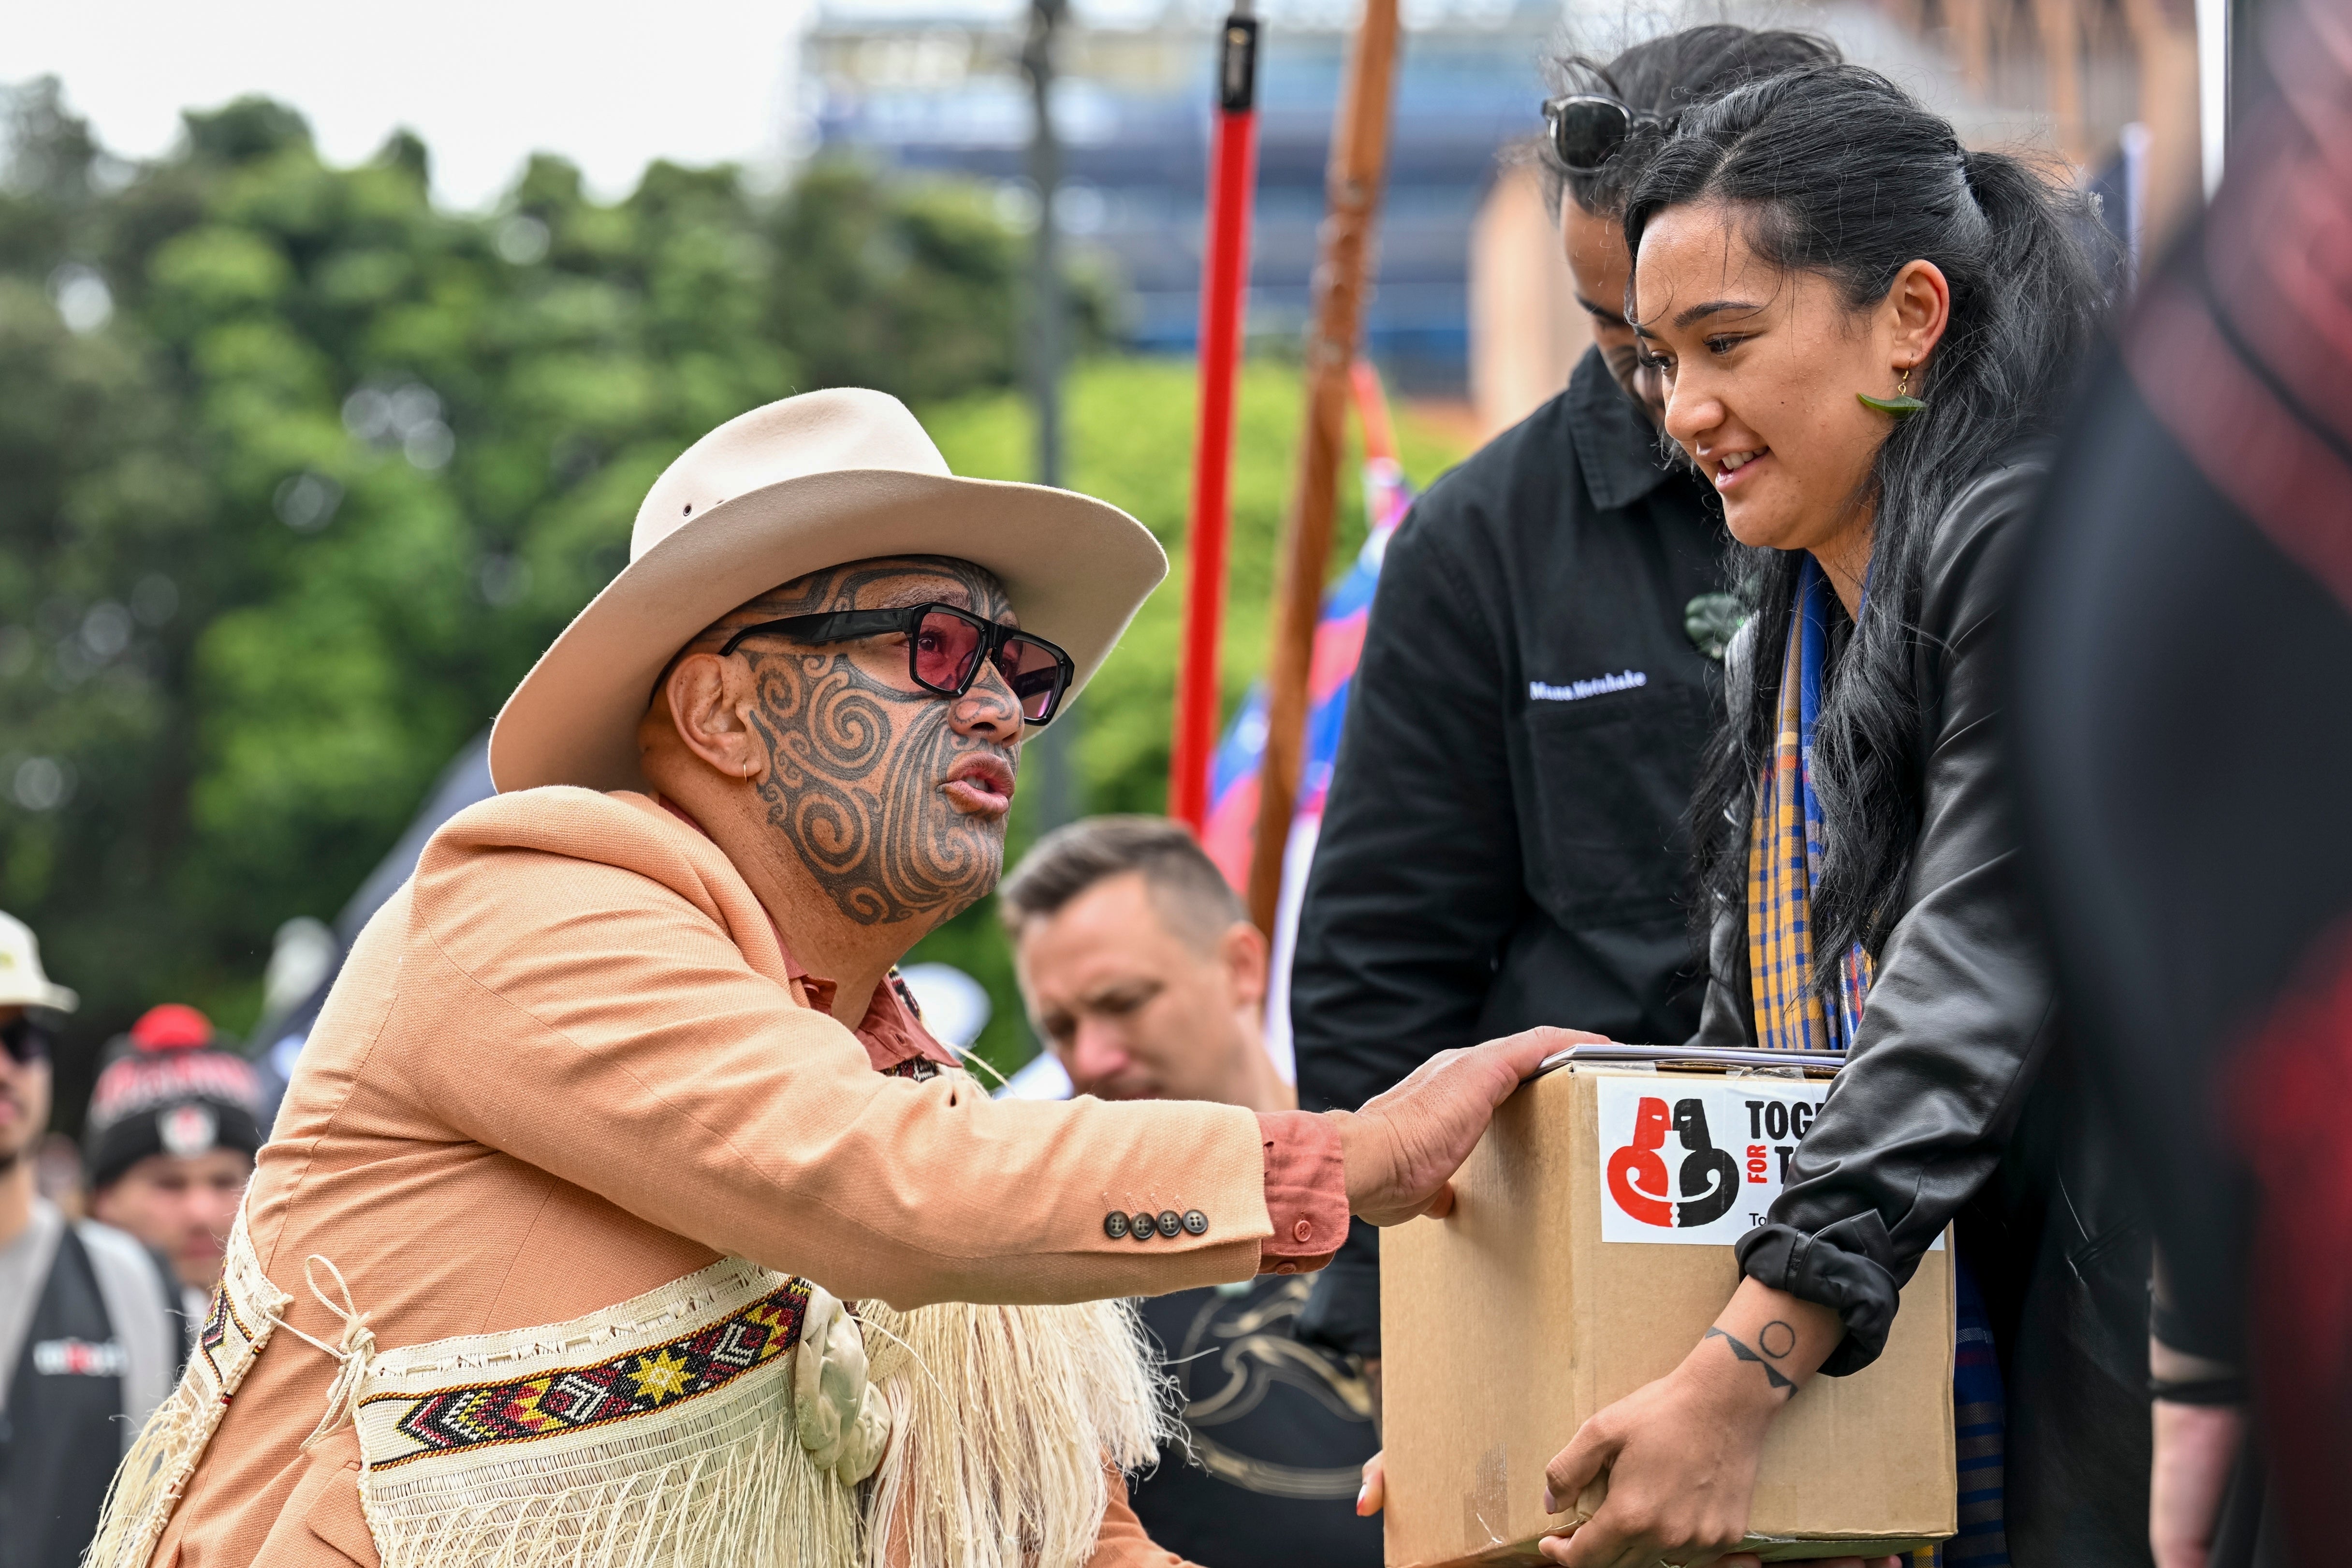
1460	309
932	85
2105	91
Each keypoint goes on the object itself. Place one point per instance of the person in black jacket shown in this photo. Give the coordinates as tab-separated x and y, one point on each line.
2183	632
1502	845
2200	914
1862	329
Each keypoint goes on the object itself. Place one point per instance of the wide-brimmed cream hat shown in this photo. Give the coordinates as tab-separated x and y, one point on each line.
22	982
811	482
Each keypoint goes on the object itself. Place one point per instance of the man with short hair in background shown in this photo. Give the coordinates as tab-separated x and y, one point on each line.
169	1141
1146	981
90	1336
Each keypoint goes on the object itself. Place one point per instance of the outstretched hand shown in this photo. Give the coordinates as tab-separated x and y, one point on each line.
1403	1148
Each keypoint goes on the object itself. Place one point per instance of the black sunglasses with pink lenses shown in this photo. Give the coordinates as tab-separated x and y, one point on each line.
945	649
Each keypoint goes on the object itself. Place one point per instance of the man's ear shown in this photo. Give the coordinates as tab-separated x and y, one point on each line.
1241	950
709	701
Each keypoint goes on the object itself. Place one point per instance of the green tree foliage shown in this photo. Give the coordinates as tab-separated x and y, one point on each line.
299	474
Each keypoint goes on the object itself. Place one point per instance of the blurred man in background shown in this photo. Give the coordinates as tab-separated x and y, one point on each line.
173	1128
1502	845
1146	980
90	1337
2182	740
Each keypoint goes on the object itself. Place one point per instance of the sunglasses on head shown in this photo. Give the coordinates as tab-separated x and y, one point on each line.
945	649
26	1041
1587	128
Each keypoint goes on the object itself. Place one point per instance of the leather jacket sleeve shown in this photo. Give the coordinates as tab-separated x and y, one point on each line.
1962	1009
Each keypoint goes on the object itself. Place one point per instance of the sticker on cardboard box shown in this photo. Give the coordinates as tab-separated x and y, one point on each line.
1697	1162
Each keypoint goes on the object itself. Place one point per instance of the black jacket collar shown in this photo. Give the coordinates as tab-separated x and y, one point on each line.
1616	446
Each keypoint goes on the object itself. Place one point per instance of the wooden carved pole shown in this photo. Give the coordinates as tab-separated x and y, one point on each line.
1359	163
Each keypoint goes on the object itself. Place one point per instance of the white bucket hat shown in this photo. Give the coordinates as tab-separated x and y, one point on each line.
811	482
22	982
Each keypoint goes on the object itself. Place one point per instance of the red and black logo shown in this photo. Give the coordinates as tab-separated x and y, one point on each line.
1710	1178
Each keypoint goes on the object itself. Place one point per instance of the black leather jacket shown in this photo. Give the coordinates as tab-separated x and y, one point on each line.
1960	1103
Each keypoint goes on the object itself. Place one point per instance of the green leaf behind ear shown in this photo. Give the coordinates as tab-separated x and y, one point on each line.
1900	407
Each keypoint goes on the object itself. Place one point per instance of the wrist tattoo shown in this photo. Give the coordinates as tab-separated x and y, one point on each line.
1781	1385
1776	1339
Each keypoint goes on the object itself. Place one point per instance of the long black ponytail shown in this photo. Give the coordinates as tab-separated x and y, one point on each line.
1839	173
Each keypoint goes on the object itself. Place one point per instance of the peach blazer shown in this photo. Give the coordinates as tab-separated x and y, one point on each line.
565	1065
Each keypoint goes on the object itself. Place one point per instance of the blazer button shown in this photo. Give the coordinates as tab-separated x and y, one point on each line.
1170	1222
1196	1222
1115	1225
1145	1224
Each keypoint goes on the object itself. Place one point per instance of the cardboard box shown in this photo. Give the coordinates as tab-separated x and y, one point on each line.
1574	1269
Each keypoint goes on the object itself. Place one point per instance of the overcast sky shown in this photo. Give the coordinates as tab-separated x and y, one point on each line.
485	83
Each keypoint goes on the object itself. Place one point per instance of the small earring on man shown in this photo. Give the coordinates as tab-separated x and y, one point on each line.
1901	405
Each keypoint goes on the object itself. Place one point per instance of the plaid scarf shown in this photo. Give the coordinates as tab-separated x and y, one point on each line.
1792	1013
1784	858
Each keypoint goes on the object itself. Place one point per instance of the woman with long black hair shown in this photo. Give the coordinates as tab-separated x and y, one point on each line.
1864	329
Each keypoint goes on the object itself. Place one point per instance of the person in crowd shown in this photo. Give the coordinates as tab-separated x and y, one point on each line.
1864	329
2192	585
1146	980
172	1126
90	1331
618	1098
1502	845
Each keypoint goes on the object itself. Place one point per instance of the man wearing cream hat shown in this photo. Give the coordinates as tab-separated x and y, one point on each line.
617	1102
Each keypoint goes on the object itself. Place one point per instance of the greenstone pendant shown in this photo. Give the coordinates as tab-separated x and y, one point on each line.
1711	621
1900	407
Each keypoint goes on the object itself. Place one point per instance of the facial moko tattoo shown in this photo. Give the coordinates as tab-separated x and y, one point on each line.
860	757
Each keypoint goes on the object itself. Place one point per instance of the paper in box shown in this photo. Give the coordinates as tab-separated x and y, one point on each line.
1589	1250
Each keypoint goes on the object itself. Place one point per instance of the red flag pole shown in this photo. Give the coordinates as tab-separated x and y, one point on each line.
1232	178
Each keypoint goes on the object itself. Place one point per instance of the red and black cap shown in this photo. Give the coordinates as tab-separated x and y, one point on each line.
169	1090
